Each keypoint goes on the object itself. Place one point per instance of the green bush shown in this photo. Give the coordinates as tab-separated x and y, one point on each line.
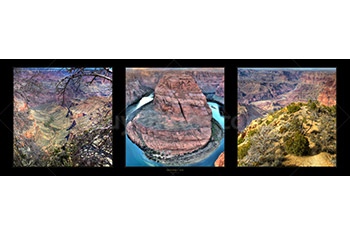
297	145
268	122
293	108
313	106
243	150
332	110
277	114
240	140
252	132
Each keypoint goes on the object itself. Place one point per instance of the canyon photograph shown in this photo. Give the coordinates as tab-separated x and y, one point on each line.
62	117
286	117
174	117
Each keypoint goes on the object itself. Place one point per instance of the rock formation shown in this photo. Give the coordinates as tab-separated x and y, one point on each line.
247	113
328	95
271	90
42	123
220	162
139	82
177	122
220	91
208	80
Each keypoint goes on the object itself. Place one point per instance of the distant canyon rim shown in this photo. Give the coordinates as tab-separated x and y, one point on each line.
263	91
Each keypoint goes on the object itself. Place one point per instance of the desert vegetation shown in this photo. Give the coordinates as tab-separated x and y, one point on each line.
303	130
286	117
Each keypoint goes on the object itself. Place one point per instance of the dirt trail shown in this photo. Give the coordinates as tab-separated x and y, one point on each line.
319	160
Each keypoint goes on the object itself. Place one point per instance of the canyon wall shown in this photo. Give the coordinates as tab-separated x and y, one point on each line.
140	82
177	122
42	121
270	90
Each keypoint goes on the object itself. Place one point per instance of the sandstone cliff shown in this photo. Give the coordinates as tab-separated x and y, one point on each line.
220	162
177	122
247	113
139	82
270	90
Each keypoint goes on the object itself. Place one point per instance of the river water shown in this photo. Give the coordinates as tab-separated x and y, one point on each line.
136	158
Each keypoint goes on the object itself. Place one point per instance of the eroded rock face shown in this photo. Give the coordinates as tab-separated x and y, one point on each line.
252	91
328	94
271	90
139	82
220	90
220	162
182	98
208	81
177	122
247	113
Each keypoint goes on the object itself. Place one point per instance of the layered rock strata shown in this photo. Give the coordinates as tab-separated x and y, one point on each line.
271	90
139	82
178	121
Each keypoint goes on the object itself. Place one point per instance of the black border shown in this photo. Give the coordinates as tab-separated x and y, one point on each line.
119	169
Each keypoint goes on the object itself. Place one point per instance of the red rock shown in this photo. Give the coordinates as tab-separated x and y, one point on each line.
77	116
208	80
220	91
142	81
182	98
271	90
328	95
177	122
220	162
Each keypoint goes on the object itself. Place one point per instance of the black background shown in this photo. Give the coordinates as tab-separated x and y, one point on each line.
119	169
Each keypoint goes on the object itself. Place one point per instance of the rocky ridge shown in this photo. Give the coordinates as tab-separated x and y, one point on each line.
266	141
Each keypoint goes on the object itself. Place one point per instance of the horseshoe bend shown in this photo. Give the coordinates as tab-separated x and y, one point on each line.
177	127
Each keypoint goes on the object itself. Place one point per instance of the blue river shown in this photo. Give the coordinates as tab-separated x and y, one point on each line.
136	158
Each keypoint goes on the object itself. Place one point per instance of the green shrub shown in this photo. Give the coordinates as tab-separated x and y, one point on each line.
243	150
313	106
332	110
240	140
277	114
293	108
268	122
297	145
252	132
